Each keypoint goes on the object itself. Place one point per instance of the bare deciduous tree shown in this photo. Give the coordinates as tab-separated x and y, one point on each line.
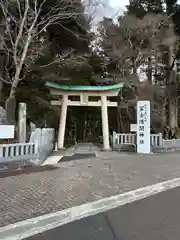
25	25
133	41
93	9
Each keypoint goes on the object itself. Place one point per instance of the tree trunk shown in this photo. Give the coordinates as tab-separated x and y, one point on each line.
118	120
1	75
172	117
1	57
163	116
120	124
11	101
149	70
171	88
10	107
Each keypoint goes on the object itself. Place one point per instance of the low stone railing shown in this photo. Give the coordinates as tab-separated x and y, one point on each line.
18	151
130	139
41	144
157	142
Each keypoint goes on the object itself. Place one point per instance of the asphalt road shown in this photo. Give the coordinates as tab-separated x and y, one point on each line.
154	218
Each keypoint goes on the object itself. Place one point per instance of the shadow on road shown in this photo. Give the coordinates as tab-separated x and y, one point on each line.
77	156
25	170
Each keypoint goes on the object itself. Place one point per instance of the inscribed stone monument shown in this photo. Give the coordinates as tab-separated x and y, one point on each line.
3	116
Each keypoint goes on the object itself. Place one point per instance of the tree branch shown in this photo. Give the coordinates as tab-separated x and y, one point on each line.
58	60
19	36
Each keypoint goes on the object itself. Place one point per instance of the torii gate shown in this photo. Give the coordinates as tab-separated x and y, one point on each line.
84	92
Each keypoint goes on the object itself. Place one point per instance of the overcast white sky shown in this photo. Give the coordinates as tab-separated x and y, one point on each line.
118	3
116	7
111	8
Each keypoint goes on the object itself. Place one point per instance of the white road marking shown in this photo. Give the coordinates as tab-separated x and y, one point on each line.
33	226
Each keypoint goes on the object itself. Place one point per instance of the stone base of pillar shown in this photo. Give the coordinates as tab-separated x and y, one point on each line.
61	149
106	149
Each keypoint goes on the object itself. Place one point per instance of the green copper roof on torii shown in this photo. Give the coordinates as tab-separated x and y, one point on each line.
83	87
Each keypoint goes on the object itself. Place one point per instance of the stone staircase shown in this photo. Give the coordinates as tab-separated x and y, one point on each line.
80	151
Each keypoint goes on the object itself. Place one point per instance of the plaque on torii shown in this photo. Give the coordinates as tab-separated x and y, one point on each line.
84	99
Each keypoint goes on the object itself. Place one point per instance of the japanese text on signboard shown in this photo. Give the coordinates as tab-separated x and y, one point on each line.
142	122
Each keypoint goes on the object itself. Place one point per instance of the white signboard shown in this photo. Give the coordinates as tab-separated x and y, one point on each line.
6	131
133	127
143	127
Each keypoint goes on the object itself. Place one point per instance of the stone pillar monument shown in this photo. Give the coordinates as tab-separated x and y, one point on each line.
22	122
